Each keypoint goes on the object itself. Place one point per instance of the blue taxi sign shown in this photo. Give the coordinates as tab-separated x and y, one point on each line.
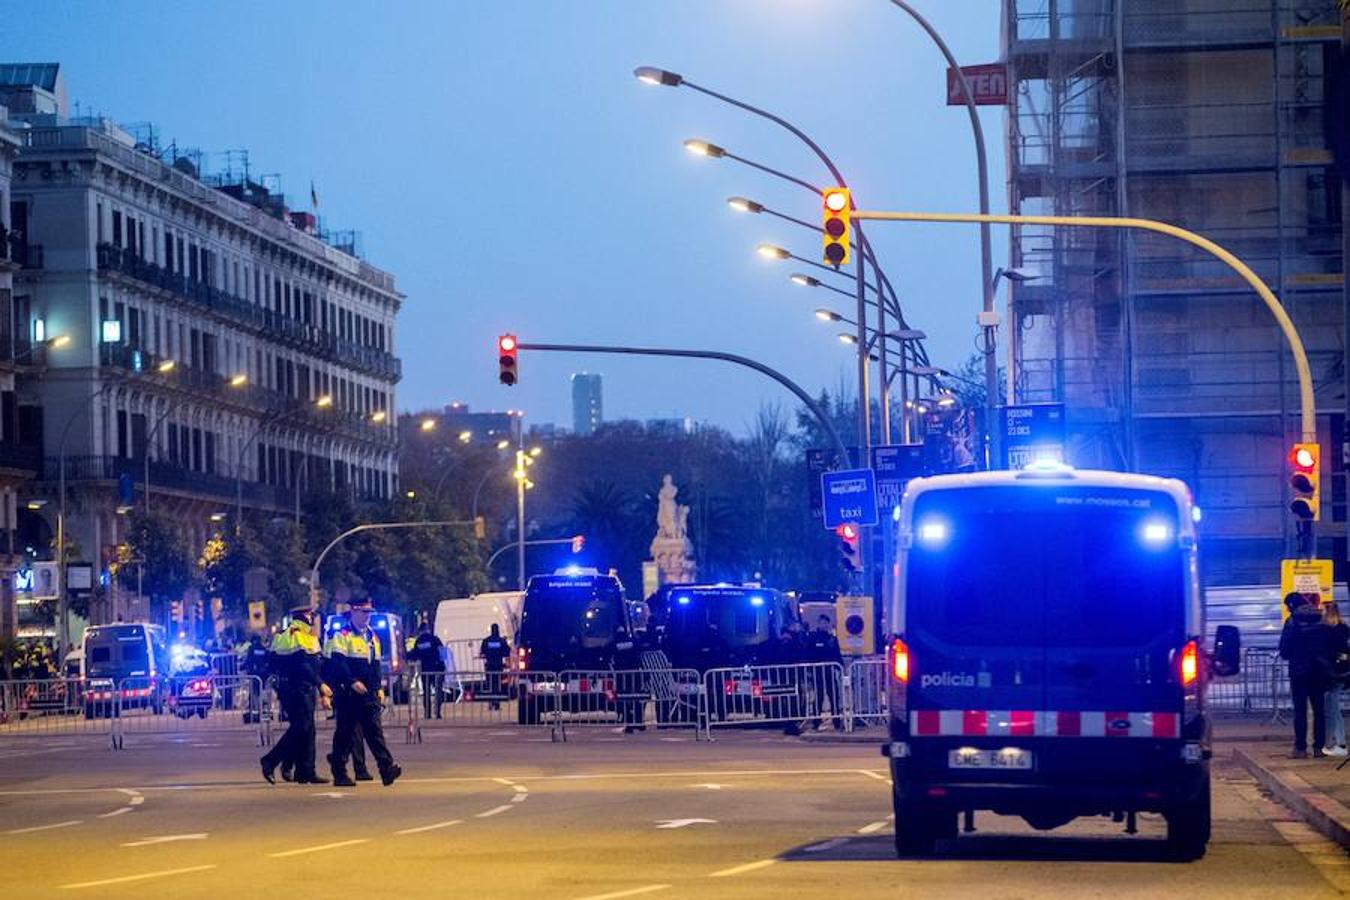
848	498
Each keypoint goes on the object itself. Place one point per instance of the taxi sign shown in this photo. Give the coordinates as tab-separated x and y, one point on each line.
848	498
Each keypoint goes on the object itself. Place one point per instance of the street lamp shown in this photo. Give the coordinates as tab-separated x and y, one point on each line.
828	315
703	148
428	425
324	401
378	416
239	380
465	437
166	366
771	251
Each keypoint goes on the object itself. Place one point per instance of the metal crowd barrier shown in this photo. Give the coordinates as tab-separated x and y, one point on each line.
180	704
794	695
50	706
867	694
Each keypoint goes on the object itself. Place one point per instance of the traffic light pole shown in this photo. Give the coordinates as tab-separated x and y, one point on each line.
733	358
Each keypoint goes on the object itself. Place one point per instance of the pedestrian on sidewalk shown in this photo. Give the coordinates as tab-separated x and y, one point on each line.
1340	670
1306	643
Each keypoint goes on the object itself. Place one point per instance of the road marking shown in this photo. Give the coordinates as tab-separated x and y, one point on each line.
631	892
519	798
492	812
44	827
167	838
741	870
877	775
430	827
826	845
163	873
520	788
137	800
336	795
320	847
506	781
683	823
115	812
873	827
711	787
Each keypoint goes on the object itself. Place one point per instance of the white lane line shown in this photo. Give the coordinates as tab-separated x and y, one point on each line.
631	892
520	789
163	873
520	798
826	845
136	801
873	827
130	792
320	847
741	870
506	781
115	812
430	827
877	775
492	812
44	827
167	839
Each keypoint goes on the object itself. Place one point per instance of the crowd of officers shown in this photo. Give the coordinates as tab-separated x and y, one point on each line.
344	675
35	661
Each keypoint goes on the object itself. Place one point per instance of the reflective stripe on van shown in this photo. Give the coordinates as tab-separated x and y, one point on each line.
1030	723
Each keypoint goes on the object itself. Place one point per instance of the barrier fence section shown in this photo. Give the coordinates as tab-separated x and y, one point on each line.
51	706
867	695
793	694
181	704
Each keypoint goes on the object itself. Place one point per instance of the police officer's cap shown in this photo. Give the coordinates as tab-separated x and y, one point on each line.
363	603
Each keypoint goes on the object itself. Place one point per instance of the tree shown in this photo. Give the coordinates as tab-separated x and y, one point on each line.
157	548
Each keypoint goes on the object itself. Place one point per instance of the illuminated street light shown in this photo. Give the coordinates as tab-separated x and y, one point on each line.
239	380
771	251
829	315
428	425
654	76
465	437
503	444
535	451
741	204
703	148
804	280
847	338
165	367
60	341
324	402
217	517
378	415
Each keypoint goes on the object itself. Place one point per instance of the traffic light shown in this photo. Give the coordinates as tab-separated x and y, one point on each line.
836	224
1305	462
578	543
850	555
506	352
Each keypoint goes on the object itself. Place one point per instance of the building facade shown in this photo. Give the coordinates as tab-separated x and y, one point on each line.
193	330
1215	115
587	406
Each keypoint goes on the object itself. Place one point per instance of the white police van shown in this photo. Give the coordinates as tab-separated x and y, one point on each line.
1047	657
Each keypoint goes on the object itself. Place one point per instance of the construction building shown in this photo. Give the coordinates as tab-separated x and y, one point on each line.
1218	116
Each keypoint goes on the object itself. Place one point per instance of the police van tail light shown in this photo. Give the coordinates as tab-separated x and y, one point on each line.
900	661
1188	664
522	659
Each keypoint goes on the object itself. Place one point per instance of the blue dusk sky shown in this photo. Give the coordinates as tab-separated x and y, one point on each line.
501	160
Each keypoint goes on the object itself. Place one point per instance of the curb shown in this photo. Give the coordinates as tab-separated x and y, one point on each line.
1327	815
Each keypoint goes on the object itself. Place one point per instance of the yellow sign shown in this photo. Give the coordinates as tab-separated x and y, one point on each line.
853	626
257	616
1304	576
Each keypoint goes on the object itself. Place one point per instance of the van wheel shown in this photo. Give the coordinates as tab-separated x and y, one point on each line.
1188	826
917	828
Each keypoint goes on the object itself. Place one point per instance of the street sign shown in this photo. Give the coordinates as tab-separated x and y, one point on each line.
895	465
849	498
853	626
1305	576
988	85
1032	432
821	461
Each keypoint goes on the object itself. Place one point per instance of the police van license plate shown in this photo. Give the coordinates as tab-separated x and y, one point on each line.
970	758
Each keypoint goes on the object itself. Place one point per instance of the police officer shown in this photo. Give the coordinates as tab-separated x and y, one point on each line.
823	648
295	661
628	681
427	651
495	652
255	663
352	661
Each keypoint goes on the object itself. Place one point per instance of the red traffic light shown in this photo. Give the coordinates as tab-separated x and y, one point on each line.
1303	457
836	201
847	531
506	351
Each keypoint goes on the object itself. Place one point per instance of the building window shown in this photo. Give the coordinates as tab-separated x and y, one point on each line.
117	228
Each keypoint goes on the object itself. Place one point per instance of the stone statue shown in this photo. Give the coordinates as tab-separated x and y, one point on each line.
671	549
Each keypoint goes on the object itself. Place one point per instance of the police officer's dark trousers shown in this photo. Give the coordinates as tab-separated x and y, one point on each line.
355	711
296	746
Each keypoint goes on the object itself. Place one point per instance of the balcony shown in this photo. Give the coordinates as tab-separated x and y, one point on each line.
262	322
165	475
21	457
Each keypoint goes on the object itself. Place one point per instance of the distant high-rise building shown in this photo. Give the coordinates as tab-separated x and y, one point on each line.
587	408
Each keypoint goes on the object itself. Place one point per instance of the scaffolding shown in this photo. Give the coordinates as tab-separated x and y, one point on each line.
1210	114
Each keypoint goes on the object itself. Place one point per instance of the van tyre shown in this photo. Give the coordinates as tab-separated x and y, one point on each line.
1188	825
919	826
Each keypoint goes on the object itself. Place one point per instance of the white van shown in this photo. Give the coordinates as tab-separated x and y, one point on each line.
462	623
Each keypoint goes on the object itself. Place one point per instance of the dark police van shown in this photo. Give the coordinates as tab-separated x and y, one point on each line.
569	625
1048	657
718	625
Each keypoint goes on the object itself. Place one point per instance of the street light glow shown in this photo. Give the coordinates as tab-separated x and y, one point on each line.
378	415
654	76
465	437
535	451
846	338
803	280
827	315
325	401
166	367
703	148
503	444
770	251
741	204
60	341
428	425
239	380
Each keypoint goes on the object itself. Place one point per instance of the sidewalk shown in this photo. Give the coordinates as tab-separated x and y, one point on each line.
1313	788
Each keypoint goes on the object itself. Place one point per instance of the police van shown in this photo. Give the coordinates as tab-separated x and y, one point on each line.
1048	657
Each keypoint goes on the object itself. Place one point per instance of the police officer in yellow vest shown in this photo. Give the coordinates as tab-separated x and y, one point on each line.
295	662
352	670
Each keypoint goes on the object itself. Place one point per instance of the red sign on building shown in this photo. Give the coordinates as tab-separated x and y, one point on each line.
988	85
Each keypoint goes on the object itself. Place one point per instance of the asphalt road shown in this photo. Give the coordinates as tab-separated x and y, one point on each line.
490	814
